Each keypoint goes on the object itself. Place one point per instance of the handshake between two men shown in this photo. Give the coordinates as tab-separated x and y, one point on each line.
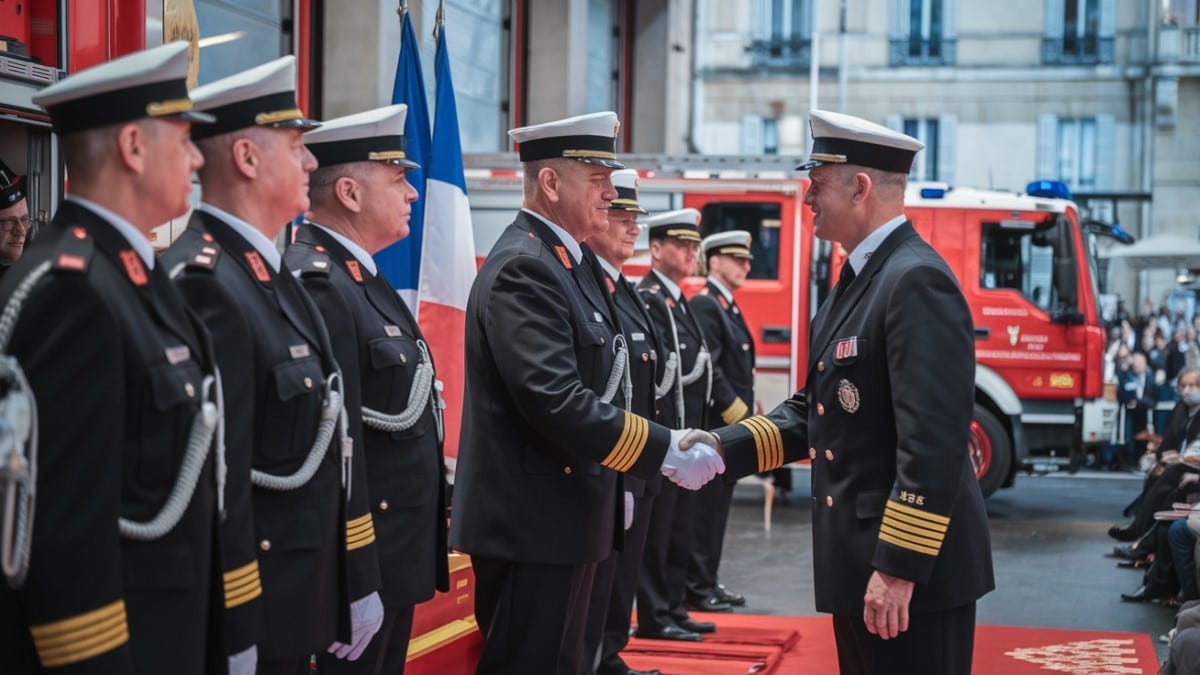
693	458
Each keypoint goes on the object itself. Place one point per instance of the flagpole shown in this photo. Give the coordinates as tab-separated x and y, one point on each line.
439	19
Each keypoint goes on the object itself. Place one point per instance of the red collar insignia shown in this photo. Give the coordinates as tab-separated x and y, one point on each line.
352	266
134	267
258	267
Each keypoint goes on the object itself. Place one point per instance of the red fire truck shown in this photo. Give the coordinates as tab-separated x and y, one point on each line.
1025	265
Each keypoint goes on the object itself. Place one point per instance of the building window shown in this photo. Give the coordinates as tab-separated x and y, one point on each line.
253	33
1078	32
761	219
1020	259
1077	151
923	32
601	55
782	33
936	161
478	45
926	162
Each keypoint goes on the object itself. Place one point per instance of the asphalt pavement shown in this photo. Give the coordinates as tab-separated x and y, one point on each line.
1049	540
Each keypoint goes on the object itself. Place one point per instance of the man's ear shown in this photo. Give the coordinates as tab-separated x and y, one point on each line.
549	183
247	157
349	194
131	147
862	187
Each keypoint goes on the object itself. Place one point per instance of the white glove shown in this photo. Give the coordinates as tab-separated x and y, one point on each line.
628	509
366	616
691	468
244	662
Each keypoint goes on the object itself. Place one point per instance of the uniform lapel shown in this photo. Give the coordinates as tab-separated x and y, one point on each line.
379	292
281	291
154	288
583	277
829	319
637	308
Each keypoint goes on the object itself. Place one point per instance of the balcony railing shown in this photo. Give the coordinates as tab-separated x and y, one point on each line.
1179	44
780	52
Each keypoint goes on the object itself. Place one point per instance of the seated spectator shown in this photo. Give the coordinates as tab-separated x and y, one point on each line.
1137	392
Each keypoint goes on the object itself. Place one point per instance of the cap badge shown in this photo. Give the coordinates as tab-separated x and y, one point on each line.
847	395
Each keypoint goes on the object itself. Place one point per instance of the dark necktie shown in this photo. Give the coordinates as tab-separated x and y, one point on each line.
844	281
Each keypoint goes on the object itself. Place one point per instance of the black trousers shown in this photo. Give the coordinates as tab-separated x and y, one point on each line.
709	517
611	606
532	616
663	583
384	655
940	642
297	667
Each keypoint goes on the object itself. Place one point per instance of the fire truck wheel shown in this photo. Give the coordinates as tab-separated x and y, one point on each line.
990	450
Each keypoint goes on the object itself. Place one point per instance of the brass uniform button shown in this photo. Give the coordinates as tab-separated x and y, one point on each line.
601	340
308	383
828	454
820	366
812	453
820	409
567	470
189	390
403	359
383	505
829	502
264	545
645	357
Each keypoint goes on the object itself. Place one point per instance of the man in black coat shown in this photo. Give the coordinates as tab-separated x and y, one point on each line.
361	203
122	575
14	217
900	534
537	499
617	576
731	347
674	241
286	424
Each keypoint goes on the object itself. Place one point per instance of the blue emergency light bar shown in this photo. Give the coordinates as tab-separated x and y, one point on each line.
1048	188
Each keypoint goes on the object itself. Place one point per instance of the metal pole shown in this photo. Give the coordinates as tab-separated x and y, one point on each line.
814	67
843	55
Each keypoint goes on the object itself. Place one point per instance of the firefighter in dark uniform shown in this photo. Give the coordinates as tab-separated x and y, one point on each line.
360	205
674	241
287	423
537	500
900	534
14	217
731	347
617	576
121	575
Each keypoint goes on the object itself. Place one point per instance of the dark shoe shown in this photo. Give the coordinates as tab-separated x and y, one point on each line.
642	672
1134	564
1130	553
710	605
725	595
1137	596
698	626
1122	533
669	633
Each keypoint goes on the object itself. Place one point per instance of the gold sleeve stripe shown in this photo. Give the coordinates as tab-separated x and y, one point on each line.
906	544
898	519
933	519
241	574
914	530
735	412
365	540
82	636
768	442
920	546
630	445
360	526
358	522
243	593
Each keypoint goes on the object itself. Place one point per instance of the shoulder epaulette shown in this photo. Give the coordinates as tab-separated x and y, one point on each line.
74	252
311	261
202	253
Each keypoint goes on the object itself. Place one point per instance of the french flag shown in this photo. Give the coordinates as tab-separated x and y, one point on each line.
401	262
445	266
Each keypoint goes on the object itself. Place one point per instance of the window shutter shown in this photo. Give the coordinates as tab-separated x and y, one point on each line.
947	130
898	19
1047	148
752	135
1106	130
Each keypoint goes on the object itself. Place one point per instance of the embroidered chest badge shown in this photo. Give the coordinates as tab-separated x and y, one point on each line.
846	348
847	395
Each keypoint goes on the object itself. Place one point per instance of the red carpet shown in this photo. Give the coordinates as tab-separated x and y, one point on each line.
747	644
773	645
